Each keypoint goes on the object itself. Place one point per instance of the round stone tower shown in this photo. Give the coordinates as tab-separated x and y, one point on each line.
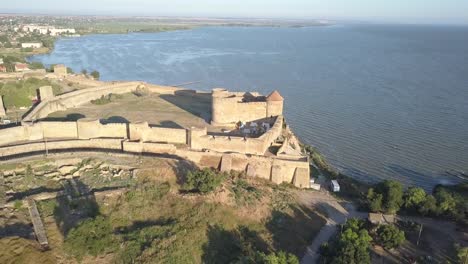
274	104
222	106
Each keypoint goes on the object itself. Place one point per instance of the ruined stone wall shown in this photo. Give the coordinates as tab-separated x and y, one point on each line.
2	108
269	168
142	131
46	92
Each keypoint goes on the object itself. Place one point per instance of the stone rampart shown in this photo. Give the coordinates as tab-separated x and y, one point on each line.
92	128
142	131
270	168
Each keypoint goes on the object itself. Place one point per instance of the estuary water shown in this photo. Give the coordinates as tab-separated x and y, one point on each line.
379	101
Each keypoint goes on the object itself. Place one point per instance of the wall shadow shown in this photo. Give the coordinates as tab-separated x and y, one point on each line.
17	230
198	104
294	232
73	117
232	246
114	120
77	204
181	168
167	124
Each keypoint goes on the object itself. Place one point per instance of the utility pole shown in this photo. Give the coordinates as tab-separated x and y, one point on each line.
419	236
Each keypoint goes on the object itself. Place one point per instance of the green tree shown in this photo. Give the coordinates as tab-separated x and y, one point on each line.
374	200
429	206
351	246
95	75
69	70
204	181
276	258
84	71
414	197
392	192
389	236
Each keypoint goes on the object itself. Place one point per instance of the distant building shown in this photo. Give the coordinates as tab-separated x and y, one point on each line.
1	60
60	70
34	45
20	67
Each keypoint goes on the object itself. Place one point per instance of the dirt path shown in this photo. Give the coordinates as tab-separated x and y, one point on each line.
337	213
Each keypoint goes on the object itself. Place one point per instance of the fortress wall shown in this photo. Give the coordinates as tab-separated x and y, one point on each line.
223	110
160	89
12	134
140	147
227	110
59	129
77	98
142	131
250	111
276	170
268	168
232	144
200	140
90	128
271	135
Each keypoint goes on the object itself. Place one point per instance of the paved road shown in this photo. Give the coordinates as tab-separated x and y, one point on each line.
337	213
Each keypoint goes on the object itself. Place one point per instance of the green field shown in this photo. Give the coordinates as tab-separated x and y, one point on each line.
20	93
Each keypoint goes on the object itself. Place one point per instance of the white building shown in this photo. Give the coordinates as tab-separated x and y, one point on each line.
34	45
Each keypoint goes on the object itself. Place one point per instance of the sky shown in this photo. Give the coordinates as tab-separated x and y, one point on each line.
409	11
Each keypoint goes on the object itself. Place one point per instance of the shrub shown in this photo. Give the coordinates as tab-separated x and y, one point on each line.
389	236
204	181
414	197
351	246
18	204
387	195
374	200
95	75
91	237
276	258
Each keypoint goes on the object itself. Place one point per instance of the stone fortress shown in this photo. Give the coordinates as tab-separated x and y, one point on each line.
263	147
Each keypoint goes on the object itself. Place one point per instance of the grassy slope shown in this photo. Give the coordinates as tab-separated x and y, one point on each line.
154	223
20	93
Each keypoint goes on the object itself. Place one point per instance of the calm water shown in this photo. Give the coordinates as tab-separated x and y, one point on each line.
379	101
